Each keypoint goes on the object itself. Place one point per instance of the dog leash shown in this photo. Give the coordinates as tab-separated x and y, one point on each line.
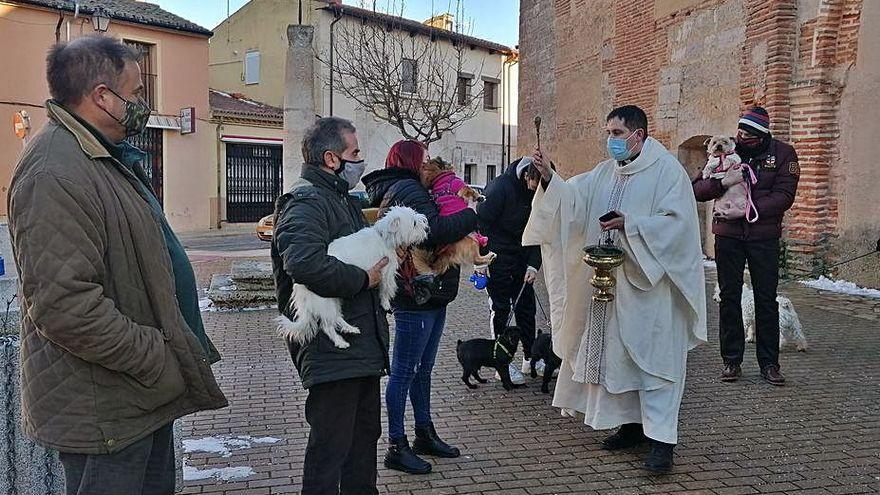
751	180
515	303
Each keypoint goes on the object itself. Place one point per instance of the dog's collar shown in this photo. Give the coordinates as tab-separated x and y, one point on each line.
506	352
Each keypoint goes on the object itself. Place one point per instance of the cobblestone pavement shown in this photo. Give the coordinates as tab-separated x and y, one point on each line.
818	435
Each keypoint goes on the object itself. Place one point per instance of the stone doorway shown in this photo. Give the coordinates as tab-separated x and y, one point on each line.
692	154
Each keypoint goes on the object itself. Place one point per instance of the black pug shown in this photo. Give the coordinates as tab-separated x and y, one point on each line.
542	348
476	353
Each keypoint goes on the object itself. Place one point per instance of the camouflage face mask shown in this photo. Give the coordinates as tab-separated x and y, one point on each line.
137	114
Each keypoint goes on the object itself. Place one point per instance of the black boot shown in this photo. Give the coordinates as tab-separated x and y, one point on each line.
660	458
629	435
428	443
400	457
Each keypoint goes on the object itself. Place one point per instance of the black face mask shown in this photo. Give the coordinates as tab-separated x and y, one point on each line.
751	146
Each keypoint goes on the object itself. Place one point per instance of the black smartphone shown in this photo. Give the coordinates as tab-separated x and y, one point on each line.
611	215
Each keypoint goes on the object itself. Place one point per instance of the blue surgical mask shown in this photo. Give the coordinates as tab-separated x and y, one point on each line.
618	147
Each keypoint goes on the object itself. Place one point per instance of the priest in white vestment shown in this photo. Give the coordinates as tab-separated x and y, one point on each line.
624	362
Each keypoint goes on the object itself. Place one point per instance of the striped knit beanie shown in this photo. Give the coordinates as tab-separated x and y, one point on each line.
756	121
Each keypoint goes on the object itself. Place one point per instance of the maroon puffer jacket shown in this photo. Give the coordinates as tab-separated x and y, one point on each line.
778	173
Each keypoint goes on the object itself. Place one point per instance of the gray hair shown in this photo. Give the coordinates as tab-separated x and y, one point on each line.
74	69
325	135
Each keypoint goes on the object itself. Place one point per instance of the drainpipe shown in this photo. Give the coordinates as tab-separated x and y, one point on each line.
338	14
510	107
219	175
504	159
58	28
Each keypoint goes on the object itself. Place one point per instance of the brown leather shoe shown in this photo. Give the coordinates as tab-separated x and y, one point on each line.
731	373
772	375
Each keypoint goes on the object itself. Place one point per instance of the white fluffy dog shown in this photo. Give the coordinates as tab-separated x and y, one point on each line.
790	329
400	227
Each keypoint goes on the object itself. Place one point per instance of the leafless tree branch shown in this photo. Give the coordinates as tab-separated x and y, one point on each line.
371	59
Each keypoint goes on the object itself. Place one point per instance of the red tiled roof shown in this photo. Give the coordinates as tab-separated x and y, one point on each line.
417	27
236	105
124	10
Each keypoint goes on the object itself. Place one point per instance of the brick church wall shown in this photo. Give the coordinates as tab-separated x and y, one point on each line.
693	65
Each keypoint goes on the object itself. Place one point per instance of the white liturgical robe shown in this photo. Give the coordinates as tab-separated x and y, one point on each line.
624	361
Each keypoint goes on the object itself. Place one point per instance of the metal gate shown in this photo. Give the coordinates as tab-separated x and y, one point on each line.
253	181
150	142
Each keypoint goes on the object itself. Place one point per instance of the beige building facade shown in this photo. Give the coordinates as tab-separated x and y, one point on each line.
248	53
175	70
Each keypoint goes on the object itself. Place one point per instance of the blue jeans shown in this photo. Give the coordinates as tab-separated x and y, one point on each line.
416	339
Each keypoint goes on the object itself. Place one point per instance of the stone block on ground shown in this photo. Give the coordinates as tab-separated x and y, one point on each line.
251	271
226	294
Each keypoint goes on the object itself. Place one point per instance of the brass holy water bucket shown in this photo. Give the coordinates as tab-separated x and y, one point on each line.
604	258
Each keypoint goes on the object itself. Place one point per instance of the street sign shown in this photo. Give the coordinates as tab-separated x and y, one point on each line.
187	120
21	123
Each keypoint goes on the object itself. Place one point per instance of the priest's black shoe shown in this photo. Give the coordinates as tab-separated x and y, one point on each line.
428	443
629	435
400	457
660	458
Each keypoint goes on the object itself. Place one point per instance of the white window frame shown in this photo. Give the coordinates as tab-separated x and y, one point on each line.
252	57
495	96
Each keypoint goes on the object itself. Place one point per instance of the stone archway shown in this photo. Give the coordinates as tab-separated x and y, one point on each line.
692	155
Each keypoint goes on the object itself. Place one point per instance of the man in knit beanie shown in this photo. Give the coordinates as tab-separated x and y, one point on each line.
741	241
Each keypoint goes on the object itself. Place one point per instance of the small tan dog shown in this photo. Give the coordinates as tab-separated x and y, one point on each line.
725	164
451	195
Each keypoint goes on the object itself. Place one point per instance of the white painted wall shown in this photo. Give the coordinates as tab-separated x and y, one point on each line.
477	141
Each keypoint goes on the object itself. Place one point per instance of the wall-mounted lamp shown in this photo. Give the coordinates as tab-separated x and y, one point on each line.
100	20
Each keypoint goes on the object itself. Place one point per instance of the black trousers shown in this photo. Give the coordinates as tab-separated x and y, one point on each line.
144	468
506	275
345	422
731	256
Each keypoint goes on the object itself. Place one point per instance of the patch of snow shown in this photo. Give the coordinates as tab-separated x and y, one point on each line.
224	445
206	305
212	445
709	263
220	474
265	440
258	308
841	286
228	288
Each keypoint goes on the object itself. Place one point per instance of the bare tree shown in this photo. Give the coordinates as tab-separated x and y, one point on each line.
405	77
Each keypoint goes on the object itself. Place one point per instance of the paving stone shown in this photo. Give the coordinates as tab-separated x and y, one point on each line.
818	434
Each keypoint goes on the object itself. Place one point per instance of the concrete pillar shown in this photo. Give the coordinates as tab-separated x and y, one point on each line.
299	97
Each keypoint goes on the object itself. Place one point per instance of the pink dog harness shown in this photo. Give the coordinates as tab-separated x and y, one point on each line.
752	180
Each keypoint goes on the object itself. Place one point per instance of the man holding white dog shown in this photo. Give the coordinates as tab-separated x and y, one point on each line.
624	361
343	405
756	241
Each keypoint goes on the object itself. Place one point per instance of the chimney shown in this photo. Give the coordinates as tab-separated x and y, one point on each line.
442	21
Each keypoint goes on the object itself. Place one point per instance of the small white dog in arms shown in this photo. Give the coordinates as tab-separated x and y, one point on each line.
400	227
790	328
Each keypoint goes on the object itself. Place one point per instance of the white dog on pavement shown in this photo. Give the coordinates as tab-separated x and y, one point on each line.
400	227
790	328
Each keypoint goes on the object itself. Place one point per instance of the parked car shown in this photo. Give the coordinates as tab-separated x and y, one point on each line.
266	226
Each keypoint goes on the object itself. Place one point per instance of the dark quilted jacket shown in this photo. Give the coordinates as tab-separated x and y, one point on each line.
107	357
778	174
504	215
399	187
317	211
